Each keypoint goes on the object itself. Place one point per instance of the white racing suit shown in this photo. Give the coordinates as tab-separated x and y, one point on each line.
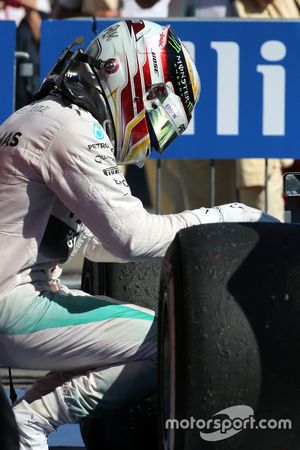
61	191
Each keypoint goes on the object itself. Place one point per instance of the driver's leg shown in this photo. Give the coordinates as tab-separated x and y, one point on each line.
102	354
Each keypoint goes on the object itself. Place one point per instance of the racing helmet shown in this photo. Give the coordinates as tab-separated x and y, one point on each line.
150	83
137	79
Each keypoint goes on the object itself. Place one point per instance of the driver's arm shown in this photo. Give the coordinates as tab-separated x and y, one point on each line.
82	171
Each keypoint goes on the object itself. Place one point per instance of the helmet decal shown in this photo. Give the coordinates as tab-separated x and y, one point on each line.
111	32
179	73
163	38
136	134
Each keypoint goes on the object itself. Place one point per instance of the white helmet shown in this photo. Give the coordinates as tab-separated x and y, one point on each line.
150	83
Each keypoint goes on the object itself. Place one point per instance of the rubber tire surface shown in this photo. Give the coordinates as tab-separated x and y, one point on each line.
229	332
135	427
134	282
9	436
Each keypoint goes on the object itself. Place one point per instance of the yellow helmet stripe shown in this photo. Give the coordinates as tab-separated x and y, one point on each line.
136	149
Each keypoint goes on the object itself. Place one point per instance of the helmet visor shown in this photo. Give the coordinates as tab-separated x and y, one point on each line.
166	116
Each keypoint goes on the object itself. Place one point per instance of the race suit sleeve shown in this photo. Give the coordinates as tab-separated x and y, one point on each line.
80	168
93	249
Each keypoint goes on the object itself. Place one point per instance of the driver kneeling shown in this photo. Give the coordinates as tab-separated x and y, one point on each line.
61	191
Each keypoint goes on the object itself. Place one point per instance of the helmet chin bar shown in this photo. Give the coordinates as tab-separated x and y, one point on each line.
64	79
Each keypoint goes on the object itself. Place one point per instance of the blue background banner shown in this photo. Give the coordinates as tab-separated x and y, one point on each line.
7	52
250	73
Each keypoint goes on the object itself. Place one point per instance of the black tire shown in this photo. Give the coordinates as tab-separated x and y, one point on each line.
130	428
127	429
229	332
9	436
134	282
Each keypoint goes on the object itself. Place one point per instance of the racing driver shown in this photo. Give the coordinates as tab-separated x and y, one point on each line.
61	191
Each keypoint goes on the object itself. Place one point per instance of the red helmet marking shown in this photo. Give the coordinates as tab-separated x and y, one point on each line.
147	73
165	65
138	132
163	37
136	25
127	110
138	88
